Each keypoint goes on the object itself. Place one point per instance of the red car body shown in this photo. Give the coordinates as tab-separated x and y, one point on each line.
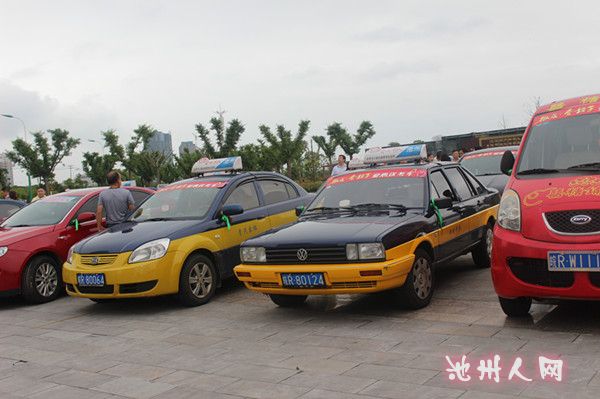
550	204
25	243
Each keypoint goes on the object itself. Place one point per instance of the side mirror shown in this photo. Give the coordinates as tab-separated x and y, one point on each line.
443	203
448	195
231	210
507	163
86	217
299	210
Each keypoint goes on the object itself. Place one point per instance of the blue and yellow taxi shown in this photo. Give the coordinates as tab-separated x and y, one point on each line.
185	239
384	227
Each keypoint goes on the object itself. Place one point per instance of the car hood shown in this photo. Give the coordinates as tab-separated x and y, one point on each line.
130	235
494	181
12	235
315	232
565	193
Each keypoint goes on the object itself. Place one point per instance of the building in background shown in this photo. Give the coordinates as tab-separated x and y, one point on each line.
187	145
160	142
7	165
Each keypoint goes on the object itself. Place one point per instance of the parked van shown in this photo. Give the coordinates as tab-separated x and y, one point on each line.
547	240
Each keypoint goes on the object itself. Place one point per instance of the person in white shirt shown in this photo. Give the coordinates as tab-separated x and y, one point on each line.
340	167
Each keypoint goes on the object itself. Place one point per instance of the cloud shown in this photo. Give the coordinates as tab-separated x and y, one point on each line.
430	30
393	70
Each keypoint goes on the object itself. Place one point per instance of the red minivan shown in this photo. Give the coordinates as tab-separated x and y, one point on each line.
34	242
547	239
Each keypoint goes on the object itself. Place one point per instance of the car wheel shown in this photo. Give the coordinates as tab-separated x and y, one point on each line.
197	281
41	280
417	291
482	253
288	301
517	307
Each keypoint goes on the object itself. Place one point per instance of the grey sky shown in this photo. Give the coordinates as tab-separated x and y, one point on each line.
414	68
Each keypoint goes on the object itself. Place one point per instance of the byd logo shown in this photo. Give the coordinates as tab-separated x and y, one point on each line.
581	219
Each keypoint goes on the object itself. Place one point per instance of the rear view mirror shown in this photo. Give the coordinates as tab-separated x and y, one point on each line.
443	203
233	209
507	163
86	217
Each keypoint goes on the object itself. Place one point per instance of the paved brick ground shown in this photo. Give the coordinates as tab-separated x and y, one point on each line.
241	345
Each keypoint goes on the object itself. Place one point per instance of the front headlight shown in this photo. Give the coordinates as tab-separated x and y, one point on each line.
509	212
149	251
3	251
70	255
253	254
365	251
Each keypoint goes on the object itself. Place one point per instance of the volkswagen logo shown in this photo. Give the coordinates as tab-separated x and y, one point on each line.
302	254
94	260
581	219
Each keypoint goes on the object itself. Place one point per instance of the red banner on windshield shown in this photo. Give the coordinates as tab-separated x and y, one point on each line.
567	113
191	186
376	174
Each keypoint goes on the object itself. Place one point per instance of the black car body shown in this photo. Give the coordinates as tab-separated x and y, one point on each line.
485	165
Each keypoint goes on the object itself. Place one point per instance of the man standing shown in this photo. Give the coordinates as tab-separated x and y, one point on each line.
340	167
115	201
41	193
455	156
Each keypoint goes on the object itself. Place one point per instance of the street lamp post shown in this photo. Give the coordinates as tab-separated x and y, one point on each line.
24	130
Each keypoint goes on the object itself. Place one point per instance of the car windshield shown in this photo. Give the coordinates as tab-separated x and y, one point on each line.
373	187
179	201
485	164
45	212
562	146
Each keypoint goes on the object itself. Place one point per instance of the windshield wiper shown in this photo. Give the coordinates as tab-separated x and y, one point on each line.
152	220
586	166
377	206
490	174
20	225
326	209
538	171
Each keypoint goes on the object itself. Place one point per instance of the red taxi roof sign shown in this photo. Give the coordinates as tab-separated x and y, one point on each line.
206	165
395	154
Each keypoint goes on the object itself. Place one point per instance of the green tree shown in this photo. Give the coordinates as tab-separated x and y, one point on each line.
3	178
226	139
351	144
135	162
394	144
286	148
185	161
42	157
78	182
418	142
97	166
328	146
258	157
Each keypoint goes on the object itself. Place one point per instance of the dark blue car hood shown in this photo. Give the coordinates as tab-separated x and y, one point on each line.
331	231
128	236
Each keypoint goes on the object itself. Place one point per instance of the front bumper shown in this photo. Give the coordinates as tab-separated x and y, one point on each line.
124	280
11	266
510	245
339	278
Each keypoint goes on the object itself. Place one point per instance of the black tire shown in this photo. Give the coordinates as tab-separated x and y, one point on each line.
288	301
417	291
42	280
517	307
482	253
198	281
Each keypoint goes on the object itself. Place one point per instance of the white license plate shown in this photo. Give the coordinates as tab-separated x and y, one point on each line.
559	261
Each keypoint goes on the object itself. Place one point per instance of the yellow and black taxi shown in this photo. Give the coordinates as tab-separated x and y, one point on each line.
385	227
185	239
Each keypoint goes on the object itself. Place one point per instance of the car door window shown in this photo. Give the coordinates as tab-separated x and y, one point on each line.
273	191
479	189
7	209
90	206
459	183
245	195
291	191
139	197
440	186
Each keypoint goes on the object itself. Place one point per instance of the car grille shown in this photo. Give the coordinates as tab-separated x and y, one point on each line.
107	289
345	284
560	222
535	271
137	287
314	255
595	278
98	260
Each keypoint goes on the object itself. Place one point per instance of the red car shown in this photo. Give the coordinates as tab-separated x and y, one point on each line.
34	242
547	239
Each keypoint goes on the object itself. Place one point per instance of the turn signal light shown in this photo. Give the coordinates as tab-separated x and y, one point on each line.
365	273
243	274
